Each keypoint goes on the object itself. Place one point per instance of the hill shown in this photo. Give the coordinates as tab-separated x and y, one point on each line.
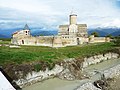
44	33
105	31
6	33
117	33
3	36
101	33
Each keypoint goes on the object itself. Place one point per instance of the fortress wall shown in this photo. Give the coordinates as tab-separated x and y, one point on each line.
93	39
26	41
45	40
69	41
30	41
40	41
56	41
99	39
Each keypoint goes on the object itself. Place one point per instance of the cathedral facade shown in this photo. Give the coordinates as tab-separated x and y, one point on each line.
79	30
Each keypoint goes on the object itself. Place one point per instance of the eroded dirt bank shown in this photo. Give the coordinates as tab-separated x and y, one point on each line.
58	84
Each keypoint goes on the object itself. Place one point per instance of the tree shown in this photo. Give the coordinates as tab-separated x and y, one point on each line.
41	35
109	35
117	40
95	34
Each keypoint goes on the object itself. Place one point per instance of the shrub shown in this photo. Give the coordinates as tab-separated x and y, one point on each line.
50	64
5	39
96	34
117	41
37	67
109	35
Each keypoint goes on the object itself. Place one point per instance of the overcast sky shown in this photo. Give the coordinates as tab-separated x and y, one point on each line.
49	14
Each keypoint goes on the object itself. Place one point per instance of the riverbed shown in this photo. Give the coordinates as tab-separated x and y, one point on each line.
58	84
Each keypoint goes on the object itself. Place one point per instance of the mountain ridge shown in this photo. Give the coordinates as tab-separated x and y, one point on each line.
7	33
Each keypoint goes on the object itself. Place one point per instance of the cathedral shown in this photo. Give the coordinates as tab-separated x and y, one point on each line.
79	30
68	35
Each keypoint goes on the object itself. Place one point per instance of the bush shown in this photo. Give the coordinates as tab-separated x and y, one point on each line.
5	39
109	35
37	67
96	34
117	41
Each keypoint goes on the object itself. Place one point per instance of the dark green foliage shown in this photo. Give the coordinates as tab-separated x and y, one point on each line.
41	35
37	67
117	41
51	64
109	35
5	39
96	34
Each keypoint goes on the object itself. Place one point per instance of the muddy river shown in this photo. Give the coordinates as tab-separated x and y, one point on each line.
57	84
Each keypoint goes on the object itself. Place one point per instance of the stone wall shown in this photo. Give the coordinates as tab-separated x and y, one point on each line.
93	39
37	41
51	41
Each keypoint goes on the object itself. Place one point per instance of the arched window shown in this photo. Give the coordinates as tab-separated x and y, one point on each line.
22	41
26	33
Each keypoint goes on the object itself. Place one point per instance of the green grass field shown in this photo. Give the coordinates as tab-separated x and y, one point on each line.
34	53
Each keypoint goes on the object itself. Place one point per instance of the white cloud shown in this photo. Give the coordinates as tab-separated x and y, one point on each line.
51	13
113	23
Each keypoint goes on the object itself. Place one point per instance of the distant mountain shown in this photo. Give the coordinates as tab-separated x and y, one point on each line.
3	36
117	33
44	33
100	32
7	33
105	31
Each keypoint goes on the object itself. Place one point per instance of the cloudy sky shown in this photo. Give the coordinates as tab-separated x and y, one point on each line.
49	14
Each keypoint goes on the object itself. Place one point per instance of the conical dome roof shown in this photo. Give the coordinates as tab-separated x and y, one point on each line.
26	27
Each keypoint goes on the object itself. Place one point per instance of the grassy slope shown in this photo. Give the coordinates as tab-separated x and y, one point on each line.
32	53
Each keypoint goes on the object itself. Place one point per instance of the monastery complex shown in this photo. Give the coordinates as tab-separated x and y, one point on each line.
68	35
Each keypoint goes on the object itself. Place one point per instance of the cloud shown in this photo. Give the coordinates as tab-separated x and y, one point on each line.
113	23
52	13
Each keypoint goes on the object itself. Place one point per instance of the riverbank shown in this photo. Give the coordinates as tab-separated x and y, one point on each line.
57	84
70	69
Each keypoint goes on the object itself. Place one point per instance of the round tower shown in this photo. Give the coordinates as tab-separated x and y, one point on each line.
73	19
